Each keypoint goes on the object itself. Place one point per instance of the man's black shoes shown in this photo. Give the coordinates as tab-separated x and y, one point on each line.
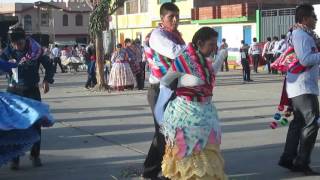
305	169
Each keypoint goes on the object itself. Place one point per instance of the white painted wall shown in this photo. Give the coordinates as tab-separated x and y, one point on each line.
317	11
233	33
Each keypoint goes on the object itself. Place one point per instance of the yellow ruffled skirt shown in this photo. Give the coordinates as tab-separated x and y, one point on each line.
207	164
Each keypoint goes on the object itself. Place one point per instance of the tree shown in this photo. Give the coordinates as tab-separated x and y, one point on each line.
99	21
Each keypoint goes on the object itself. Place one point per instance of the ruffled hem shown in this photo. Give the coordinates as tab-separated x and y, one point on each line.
190	124
205	165
121	76
15	143
18	112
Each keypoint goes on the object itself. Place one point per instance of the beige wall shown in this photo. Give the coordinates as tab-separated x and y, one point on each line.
67	33
71	28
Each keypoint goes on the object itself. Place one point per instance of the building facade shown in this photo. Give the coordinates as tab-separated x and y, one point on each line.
234	20
138	17
63	21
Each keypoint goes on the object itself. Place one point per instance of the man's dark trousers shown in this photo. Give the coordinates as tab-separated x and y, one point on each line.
269	58
255	58
56	61
32	93
225	61
303	130
152	164
245	69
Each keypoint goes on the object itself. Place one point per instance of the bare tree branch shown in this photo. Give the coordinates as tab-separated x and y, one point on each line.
116	5
89	4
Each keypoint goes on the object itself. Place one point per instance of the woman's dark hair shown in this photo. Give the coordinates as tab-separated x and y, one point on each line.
16	34
137	41
119	45
302	11
254	39
127	41
165	7
268	38
203	34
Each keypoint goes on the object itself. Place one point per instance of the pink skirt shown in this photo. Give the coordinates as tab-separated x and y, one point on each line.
121	76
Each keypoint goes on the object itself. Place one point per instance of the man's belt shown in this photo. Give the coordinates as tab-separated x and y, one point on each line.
21	87
155	85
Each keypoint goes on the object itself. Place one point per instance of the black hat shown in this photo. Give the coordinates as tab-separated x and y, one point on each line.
16	34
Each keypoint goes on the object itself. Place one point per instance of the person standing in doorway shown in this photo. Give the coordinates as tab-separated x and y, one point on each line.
224	45
245	62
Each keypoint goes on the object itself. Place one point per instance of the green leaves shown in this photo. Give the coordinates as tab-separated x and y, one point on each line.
100	15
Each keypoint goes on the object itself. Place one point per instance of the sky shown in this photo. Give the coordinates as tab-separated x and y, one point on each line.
26	1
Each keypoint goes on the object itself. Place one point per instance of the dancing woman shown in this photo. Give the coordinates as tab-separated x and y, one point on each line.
121	76
190	122
17	124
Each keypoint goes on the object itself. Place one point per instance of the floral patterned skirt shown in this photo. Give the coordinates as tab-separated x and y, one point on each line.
121	76
193	138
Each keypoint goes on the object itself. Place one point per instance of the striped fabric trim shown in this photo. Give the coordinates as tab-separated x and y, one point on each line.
34	50
199	67
158	64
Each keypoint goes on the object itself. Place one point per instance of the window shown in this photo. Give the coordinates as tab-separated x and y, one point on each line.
27	23
65	20
132	7
44	19
120	11
143	5
79	20
139	35
219	31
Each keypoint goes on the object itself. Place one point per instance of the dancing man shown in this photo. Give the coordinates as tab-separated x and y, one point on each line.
24	79
302	88
164	44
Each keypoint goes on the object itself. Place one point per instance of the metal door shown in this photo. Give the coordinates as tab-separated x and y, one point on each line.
219	30
247	34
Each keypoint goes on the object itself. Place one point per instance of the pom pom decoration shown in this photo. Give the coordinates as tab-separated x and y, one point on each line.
273	125
277	116
287	113
284	121
281	107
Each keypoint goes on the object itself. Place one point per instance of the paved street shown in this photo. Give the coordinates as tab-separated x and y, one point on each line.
105	136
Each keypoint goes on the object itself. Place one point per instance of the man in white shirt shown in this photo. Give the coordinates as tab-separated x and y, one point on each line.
224	45
302	89
56	58
266	54
280	46
255	52
167	43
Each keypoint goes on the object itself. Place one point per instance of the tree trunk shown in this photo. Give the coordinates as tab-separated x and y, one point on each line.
101	85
